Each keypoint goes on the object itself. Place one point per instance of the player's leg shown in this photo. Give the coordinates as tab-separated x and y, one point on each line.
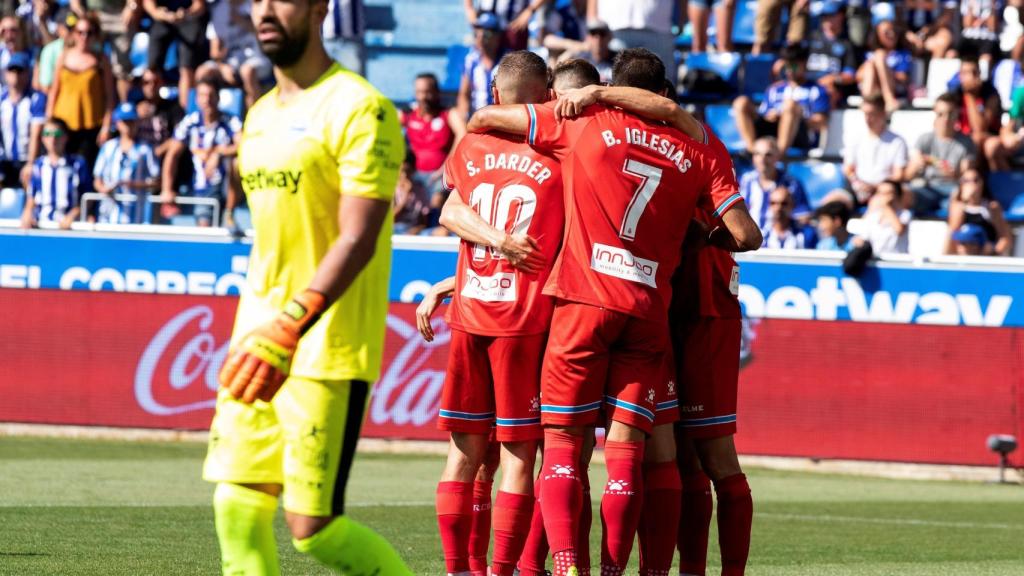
480	529
587	511
735	504
535	550
635	374
516	366
659	522
244	459
697	505
467	412
573	376
710	380
320	422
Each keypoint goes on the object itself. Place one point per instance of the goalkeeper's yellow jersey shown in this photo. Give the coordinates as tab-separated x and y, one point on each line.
339	137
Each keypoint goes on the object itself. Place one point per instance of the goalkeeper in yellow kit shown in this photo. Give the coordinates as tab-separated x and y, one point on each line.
319	160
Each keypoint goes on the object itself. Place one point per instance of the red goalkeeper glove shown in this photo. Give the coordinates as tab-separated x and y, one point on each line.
259	364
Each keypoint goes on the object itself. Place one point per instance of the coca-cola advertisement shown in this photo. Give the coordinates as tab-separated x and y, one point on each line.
808	388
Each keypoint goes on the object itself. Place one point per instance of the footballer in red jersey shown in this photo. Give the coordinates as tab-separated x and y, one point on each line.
706	322
609	329
502	190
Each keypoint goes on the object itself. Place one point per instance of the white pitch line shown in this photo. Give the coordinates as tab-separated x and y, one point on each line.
894	521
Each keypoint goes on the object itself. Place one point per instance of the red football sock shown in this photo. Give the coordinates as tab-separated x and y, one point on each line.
621	504
561	496
583	530
480	533
512	515
694	523
454	519
659	520
535	551
735	514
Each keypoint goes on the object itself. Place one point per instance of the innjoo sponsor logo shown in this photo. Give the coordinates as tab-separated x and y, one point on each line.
500	287
623	264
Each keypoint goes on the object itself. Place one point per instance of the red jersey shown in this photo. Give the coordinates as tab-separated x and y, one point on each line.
519	190
707	282
429	139
632	186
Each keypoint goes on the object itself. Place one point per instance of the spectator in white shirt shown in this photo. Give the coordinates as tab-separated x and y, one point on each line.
887	222
642	24
880	155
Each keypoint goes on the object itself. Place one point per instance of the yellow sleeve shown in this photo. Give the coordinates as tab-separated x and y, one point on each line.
370	150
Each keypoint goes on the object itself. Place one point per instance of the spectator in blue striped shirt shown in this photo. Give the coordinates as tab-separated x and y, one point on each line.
481	62
22	113
212	138
125	167
57	180
343	31
768	174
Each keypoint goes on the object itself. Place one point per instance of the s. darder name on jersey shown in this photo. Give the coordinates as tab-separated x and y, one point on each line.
513	162
655	142
263	179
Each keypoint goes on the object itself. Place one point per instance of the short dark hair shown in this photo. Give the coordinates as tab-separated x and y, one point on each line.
949	98
522	65
835	209
795	53
970	57
897	185
875	99
60	124
639	68
577	72
210	81
428	76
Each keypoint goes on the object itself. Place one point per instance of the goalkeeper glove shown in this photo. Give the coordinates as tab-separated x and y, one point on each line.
259	364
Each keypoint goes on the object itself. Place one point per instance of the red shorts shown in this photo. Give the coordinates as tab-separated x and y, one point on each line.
597	357
667	410
493	381
708	368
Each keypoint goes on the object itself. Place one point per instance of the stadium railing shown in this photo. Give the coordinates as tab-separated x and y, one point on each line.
90	197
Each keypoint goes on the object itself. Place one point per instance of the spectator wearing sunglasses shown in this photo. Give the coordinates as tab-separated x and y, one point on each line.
22	113
58	180
82	94
13	40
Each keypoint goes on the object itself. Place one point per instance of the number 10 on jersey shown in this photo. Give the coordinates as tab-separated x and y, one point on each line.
510	209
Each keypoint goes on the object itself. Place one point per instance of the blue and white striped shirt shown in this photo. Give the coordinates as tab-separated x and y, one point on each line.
56	187
346	19
505	10
196	135
480	77
114	165
17	119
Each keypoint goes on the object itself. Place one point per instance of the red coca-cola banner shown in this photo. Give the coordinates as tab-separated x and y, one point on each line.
808	388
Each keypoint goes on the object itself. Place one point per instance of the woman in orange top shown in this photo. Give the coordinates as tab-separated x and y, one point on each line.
82	94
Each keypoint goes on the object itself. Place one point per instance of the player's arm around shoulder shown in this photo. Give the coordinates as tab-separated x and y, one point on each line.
510	118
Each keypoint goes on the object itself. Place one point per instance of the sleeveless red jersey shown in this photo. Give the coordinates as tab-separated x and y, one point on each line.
429	139
707	283
519	190
632	187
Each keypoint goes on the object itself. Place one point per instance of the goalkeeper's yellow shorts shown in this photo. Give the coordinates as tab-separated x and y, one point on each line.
305	439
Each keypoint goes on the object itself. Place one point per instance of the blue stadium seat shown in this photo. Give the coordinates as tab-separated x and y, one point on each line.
722	121
12	202
743	22
818	179
757	74
1008	189
453	68
724	64
232	102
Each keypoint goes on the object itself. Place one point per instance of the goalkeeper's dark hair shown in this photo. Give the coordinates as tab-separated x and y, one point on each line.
576	73
521	66
639	68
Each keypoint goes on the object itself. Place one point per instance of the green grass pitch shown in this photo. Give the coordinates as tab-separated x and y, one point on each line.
73	507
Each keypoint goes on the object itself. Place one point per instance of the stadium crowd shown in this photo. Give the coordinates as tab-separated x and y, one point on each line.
123	98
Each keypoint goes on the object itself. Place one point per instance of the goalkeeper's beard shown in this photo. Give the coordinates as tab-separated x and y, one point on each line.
287	51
